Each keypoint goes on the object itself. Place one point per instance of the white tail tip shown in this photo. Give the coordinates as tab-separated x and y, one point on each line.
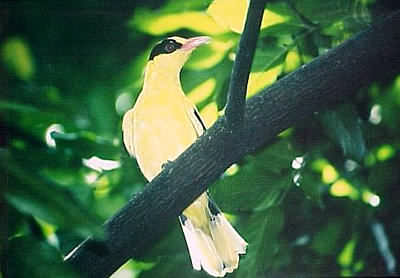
215	248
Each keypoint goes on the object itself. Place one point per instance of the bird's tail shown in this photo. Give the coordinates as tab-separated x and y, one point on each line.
213	243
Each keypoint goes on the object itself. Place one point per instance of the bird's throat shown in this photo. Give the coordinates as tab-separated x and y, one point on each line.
161	80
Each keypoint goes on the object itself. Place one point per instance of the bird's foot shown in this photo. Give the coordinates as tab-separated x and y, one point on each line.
164	165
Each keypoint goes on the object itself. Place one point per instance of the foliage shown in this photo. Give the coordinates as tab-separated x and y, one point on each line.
319	201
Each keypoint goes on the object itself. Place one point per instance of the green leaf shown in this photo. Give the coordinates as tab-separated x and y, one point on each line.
13	220
222	94
28	257
85	144
326	12
223	77
323	42
286	28
291	24
35	196
281	8
170	255
85	74
193	78
268	54
262	233
174	265
325	242
221	73
312	186
307	47
172	243
28	119
343	126
17	107
378	176
260	183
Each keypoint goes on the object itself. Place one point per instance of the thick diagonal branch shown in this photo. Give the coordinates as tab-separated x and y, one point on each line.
325	81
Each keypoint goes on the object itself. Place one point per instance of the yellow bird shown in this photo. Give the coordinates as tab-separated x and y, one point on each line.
162	124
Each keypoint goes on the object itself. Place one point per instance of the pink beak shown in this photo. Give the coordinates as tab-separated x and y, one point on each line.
192	43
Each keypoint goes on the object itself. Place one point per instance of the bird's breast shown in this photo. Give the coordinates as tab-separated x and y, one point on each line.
162	132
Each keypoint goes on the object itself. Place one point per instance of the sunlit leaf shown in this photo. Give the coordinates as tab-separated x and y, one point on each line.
345	257
283	18
221	73
231	14
385	152
319	165
17	56
260	80
208	56
203	91
329	174
271	18
159	23
292	61
210	113
342	188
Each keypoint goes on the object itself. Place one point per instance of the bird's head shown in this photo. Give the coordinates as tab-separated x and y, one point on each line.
173	52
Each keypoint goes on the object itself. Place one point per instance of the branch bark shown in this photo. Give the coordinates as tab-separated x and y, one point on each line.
235	108
327	80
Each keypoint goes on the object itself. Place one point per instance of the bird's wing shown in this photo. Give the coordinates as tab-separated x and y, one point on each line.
127	131
195	118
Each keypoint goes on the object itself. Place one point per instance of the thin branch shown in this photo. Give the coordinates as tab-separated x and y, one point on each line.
383	247
235	107
326	80
307	22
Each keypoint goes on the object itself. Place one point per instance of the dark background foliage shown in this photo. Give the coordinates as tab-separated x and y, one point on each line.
70	70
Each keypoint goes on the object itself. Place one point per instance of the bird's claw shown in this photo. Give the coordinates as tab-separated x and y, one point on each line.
165	164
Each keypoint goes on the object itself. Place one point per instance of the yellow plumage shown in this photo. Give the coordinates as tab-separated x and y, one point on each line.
162	124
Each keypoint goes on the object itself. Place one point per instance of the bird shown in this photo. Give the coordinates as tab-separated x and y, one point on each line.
161	125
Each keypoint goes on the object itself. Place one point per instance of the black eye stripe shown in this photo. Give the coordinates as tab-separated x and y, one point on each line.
165	47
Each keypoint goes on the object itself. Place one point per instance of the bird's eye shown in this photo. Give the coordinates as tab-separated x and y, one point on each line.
165	47
169	47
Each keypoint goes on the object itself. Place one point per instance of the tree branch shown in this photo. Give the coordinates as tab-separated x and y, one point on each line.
235	108
325	81
304	19
384	249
